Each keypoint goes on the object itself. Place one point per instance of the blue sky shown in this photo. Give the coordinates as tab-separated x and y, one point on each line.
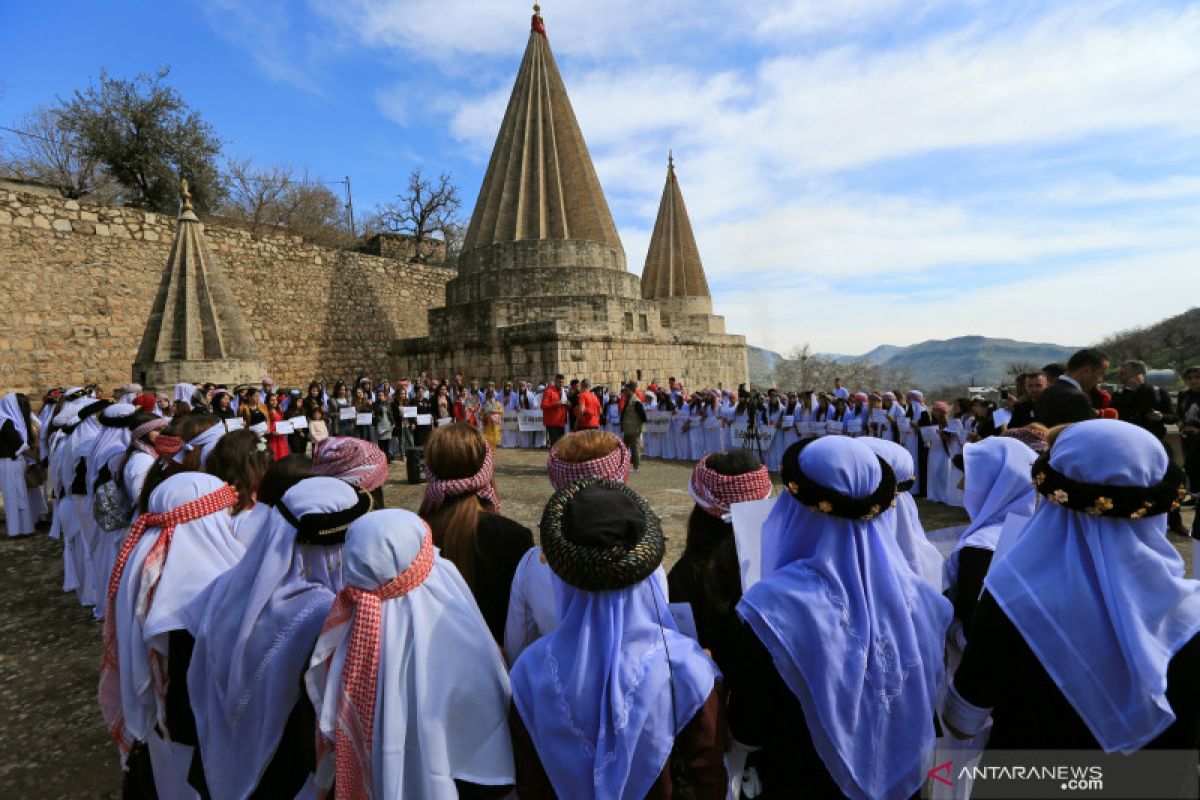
857	172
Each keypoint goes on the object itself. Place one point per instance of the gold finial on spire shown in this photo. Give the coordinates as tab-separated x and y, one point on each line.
537	9
187	195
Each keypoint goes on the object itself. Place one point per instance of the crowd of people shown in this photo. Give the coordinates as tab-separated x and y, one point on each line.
270	628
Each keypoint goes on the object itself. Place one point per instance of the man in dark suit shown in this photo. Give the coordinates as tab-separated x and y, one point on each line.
1147	407
1023	411
1066	400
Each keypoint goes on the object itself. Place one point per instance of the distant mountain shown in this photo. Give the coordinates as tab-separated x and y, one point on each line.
966	360
879	355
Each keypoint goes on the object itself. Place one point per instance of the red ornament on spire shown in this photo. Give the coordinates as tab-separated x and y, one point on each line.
536	23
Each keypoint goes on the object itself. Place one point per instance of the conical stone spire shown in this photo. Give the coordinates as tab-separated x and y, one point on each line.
195	316
540	182
673	268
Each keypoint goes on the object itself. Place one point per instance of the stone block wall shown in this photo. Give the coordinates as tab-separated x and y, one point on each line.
79	280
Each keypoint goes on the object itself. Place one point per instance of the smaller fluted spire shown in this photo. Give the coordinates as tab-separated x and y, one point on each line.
673	267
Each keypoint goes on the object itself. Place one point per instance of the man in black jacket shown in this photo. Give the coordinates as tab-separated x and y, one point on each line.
1066	400
633	419
1023	412
1187	411
1140	403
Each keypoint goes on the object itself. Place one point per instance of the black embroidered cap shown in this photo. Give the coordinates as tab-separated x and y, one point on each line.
830	501
326	528
599	535
1122	502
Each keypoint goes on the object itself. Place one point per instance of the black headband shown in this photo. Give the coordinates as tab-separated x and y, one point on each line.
832	502
1122	502
93	408
326	528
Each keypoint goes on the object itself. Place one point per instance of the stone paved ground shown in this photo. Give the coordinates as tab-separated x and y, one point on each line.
53	741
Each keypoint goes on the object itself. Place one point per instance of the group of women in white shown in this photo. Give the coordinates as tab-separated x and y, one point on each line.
270	630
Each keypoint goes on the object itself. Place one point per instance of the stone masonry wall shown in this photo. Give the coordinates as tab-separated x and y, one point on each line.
78	282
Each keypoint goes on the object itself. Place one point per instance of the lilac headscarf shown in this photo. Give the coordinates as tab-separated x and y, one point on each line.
855	634
596	694
997	484
920	553
1102	601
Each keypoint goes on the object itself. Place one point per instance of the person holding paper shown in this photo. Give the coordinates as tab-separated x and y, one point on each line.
604	544
278	442
340	400
707	574
939	453
918	418
843	643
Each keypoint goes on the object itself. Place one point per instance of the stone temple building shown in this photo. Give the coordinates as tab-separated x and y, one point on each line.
542	286
196	330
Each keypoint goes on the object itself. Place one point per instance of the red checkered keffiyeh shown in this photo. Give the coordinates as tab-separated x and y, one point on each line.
715	492
355	461
156	424
166	446
613	467
438	491
362	609
110	670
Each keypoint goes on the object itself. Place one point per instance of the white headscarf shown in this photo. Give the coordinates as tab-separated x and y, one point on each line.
255	627
10	409
202	441
184	392
922	555
428	731
77	445
1100	600
110	440
200	551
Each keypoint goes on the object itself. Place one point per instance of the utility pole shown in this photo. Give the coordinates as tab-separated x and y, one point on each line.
350	206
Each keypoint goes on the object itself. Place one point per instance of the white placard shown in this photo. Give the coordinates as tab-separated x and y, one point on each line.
260	428
530	421
835	427
879	417
346	414
743	437
409	412
904	425
685	620
365	418
954	426
657	422
748	519
1001	417
283	426
445	421
854	426
300	422
788	421
235	424
509	421
930	434
424	419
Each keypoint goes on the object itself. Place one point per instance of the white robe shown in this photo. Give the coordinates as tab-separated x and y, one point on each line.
19	509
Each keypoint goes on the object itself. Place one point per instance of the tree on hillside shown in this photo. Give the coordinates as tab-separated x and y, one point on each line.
801	370
147	138
46	152
278	196
426	211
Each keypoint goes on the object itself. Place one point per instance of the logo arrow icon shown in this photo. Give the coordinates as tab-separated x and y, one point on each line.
933	773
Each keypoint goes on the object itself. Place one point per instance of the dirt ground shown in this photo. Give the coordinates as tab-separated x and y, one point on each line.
53	740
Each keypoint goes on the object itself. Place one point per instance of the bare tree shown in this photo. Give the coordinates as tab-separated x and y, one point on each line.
426	211
801	370
47	152
278	197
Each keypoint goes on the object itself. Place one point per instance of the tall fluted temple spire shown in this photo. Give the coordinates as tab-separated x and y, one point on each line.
540	182
673	267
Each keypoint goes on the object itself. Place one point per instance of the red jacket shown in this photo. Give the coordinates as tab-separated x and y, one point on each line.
587	411
554	413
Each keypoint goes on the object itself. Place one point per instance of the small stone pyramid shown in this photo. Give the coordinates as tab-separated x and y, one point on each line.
196	330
